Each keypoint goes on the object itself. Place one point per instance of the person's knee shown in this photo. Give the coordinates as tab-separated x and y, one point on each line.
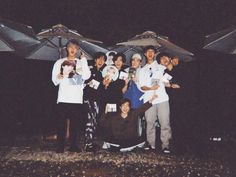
150	122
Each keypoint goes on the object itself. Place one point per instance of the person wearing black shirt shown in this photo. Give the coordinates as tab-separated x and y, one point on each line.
121	127
93	93
114	90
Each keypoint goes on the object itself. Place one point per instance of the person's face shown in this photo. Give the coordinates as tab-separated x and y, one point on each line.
67	69
165	61
110	73
150	55
110	57
99	62
125	108
175	61
135	63
119	63
72	50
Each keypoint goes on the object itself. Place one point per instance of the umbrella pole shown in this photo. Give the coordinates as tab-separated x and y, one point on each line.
60	47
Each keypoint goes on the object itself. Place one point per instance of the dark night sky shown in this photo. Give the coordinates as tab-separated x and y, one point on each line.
208	83
111	21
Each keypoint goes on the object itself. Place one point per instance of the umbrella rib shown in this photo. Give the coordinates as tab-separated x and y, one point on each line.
219	39
52	43
8	45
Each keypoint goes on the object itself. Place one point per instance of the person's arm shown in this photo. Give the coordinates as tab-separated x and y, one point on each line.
142	82
125	88
146	88
172	85
145	106
86	73
56	75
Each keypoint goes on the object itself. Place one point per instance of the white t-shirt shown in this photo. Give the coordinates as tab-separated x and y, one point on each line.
71	89
151	74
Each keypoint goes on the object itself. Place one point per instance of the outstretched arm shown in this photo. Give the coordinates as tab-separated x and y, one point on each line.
56	75
145	106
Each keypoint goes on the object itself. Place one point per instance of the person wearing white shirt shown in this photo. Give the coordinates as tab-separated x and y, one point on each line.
70	78
150	80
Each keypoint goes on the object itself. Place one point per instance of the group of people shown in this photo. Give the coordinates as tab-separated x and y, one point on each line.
116	97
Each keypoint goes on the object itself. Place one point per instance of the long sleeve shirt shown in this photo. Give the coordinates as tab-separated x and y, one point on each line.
150	74
91	93
121	128
67	92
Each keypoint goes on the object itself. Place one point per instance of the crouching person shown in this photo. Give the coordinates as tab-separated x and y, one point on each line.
120	129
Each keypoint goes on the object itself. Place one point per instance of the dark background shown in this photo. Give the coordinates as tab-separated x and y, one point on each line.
203	107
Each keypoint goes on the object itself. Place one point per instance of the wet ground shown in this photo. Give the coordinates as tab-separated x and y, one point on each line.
36	157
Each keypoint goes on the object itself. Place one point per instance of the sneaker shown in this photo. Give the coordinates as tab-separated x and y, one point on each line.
74	149
148	147
166	151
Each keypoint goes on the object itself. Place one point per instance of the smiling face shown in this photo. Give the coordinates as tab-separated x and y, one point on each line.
119	63
110	73
135	63
175	61
150	55
99	62
72	51
165	61
125	108
67	69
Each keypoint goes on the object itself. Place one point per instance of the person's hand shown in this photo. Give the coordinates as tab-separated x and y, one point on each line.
107	108
175	86
169	66
153	98
60	76
126	82
82	55
90	84
155	87
134	78
106	81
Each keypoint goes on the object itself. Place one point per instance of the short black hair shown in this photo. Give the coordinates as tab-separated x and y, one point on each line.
150	47
162	54
100	54
124	100
119	55
112	54
72	41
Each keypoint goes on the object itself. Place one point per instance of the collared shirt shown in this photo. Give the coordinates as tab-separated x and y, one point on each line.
149	75
67	92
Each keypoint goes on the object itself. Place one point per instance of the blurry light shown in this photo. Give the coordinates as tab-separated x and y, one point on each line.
216	139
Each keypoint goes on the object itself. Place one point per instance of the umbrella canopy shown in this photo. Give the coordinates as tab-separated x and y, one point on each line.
128	51
223	41
162	44
16	37
53	44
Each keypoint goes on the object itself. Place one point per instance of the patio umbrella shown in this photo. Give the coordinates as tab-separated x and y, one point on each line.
162	44
16	37
223	41
53	44
128	51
